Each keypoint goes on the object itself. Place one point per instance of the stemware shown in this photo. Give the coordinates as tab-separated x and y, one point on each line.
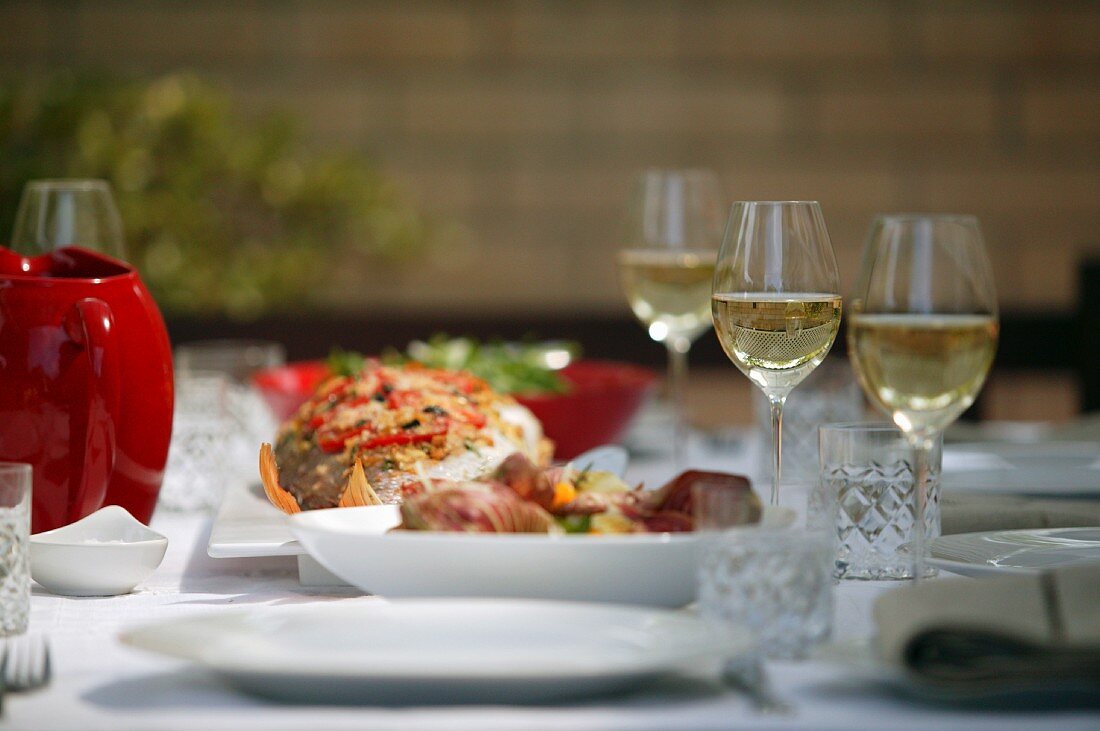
56	213
923	331
776	302
666	265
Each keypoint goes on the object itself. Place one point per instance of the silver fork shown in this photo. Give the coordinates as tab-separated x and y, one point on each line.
25	664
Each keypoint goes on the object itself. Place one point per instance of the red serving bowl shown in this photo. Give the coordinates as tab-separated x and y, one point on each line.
602	399
285	388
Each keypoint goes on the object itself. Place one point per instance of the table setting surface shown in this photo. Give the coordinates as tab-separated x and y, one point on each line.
100	683
456	533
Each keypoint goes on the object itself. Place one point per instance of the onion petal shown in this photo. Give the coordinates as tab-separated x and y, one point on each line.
269	474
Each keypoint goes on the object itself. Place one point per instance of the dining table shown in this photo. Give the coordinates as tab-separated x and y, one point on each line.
100	683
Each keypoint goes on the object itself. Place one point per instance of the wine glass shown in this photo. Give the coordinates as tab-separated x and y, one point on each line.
673	231
57	213
923	331
776	302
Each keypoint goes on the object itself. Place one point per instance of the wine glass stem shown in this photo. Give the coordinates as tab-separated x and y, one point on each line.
922	447
677	386
777	444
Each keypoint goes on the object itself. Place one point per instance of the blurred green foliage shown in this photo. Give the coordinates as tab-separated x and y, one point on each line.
222	215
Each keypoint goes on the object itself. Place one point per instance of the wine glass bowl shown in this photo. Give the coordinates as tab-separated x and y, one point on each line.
776	305
669	292
53	214
666	265
923	329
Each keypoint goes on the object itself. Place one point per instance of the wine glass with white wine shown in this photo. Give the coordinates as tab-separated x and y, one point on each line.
674	228
923	331
776	302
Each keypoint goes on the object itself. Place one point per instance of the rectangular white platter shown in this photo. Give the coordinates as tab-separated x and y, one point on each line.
248	526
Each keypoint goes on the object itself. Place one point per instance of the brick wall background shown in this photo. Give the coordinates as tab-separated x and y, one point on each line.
524	121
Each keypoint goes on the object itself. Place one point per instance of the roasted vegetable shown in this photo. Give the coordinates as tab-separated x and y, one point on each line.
523	497
475	508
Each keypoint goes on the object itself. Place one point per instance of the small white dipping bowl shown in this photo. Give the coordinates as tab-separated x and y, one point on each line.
106	553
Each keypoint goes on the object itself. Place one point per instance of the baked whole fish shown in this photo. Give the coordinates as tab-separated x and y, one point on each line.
362	439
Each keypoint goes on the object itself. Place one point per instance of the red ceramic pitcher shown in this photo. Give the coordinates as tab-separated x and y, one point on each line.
85	383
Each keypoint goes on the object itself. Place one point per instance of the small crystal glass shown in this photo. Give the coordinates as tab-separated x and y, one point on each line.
829	394
777	582
716	507
252	421
865	493
237	359
199	458
15	528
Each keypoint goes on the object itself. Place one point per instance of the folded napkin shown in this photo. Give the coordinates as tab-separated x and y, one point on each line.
1082	429
970	513
962	637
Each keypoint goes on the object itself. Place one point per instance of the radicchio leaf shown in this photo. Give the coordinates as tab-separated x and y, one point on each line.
474	508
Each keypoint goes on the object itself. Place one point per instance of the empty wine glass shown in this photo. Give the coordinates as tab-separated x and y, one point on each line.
776	302
674	227
57	213
923	330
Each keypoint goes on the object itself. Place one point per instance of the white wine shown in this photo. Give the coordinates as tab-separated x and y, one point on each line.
776	339
669	290
923	369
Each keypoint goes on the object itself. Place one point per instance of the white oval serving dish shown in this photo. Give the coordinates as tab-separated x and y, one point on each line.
647	569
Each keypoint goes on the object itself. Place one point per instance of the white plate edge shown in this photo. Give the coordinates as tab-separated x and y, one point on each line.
209	654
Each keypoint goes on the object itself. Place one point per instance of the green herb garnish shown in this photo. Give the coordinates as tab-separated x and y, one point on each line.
345	362
574	523
507	367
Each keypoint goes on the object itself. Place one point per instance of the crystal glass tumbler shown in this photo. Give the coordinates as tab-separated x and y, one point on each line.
777	582
829	394
251	420
15	528
199	459
865	491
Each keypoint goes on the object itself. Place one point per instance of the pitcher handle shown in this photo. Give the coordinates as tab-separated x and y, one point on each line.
91	325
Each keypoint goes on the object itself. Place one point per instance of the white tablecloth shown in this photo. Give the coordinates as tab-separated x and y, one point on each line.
100	684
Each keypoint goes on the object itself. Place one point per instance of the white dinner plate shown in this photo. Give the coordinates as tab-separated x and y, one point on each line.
650	569
1015	551
1042	468
439	651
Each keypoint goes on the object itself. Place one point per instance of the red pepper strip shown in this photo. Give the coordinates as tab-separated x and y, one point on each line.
331	443
337	387
475	418
463	381
322	418
386	440
328	398
397	399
